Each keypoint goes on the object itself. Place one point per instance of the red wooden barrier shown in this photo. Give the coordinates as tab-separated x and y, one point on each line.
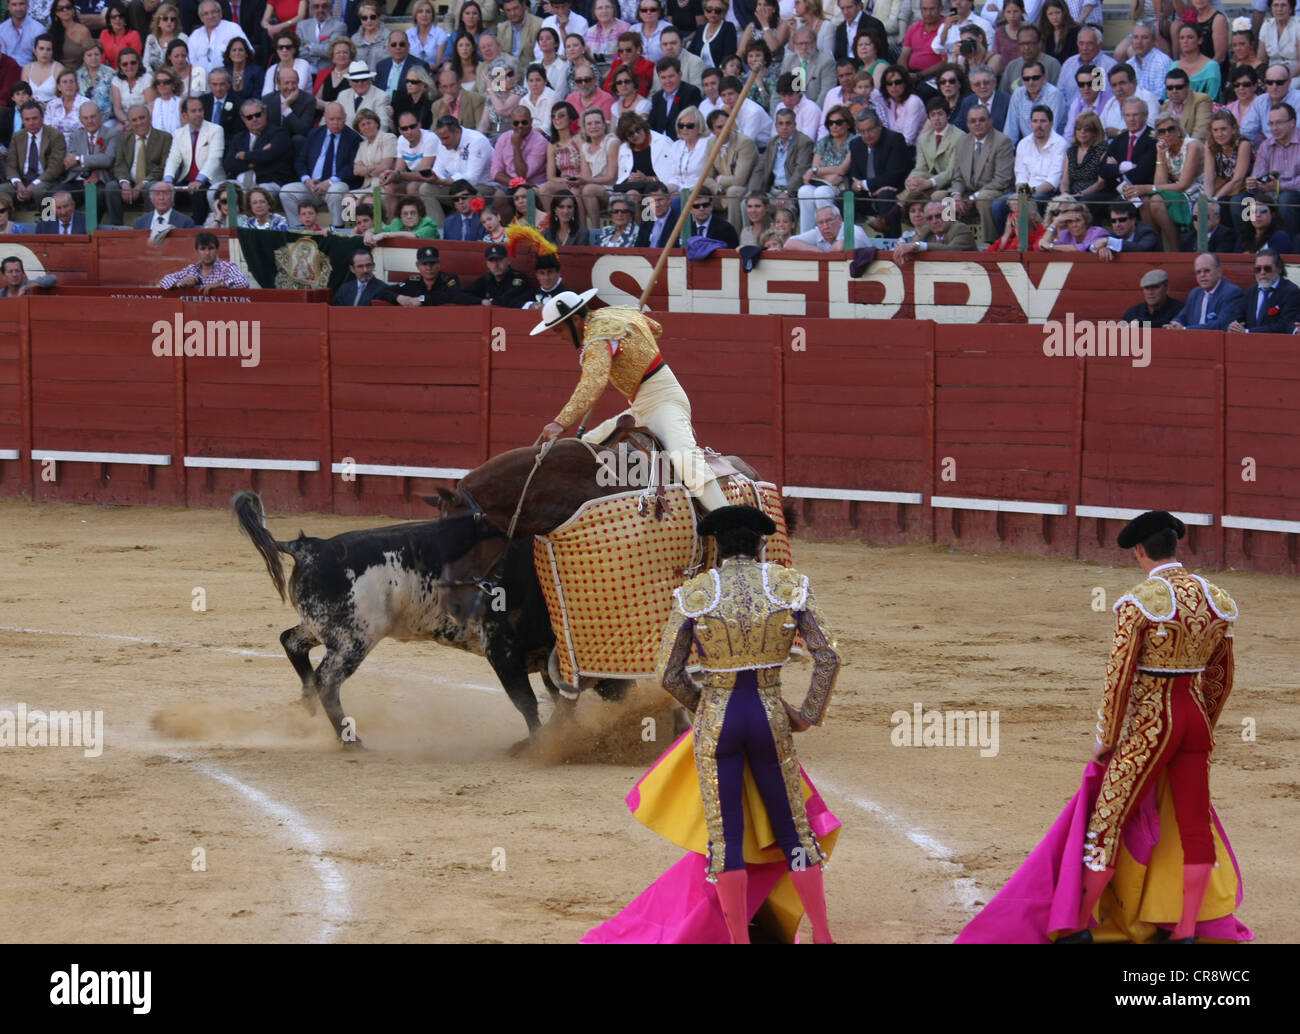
15	382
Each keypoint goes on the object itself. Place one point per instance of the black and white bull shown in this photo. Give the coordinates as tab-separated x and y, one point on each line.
355	589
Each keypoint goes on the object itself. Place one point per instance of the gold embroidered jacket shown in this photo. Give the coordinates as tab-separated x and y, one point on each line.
1175	622
618	348
744	616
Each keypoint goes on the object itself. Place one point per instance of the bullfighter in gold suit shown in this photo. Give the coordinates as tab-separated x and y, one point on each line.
1168	679
621	347
742	617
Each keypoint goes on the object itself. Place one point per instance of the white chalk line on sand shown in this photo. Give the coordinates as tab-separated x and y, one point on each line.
336	903
966	892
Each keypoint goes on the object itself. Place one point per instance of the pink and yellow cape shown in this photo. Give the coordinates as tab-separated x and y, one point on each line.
681	907
1042	898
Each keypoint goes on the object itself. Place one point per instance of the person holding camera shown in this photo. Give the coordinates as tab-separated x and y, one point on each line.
947	40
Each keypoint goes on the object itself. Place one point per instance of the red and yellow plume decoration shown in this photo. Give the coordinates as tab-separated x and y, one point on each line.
521	237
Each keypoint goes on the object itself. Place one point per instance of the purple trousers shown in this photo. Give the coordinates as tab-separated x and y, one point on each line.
746	733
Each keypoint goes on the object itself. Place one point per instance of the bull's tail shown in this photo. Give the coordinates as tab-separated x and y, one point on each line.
252	519
791	514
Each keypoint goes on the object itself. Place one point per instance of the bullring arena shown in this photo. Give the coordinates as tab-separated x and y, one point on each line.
219	810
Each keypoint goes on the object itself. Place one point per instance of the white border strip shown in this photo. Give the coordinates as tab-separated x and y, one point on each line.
852	495
1120	513
228	463
399	472
1260	524
950	502
148	459
10	454
336	908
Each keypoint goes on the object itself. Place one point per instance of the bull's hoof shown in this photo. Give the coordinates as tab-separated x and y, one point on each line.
523	747
310	702
353	745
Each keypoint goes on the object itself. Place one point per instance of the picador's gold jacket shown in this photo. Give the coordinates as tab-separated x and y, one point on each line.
619	346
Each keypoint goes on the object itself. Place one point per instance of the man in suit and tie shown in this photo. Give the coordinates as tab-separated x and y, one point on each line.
260	155
1215	303
983	169
34	164
818	69
194	160
984	92
936	149
164	214
465	106
220	106
788	156
1136	146
1128	234
290	107
324	167
67	220
92	150
140	159
879	160
653	233
705	223
390	73
316	31
855	22
732	169
1272	306
517	33
363	286
674	96
939	235
463	224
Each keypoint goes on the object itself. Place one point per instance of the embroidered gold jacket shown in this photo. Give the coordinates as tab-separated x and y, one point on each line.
618	348
744	616
1173	623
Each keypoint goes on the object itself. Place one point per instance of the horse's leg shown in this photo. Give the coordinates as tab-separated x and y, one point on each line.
342	658
297	643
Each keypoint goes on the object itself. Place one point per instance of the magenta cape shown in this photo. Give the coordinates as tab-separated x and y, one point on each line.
1043	896
681	906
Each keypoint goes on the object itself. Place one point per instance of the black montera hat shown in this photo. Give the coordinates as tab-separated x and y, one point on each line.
728	517
1143	526
547	262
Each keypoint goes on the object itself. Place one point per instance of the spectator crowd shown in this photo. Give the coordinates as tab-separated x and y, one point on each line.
592	120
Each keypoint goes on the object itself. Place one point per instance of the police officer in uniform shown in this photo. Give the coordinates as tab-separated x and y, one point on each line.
501	285
429	286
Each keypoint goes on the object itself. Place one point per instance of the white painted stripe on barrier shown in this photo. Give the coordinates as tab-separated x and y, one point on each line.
1260	524
966	892
951	502
336	906
9	454
148	459
229	463
1121	513
399	472
853	495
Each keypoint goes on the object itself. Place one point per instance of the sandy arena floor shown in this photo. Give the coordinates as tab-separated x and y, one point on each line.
208	748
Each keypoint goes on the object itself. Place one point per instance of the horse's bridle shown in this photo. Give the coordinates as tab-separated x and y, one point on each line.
485	582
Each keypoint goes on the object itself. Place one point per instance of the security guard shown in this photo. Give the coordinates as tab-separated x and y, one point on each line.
501	285
428	287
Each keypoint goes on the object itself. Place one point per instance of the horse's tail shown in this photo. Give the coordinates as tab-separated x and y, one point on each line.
252	520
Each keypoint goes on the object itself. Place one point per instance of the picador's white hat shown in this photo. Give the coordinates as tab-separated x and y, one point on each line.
560	307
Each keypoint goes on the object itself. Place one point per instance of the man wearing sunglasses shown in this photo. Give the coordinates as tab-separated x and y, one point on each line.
704	223
1090	53
1277	90
1272	306
519	153
587	93
1192	109
1035	92
1087	97
391	72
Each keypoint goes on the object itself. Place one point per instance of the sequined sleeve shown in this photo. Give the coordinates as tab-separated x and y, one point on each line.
826	662
596	360
1216	681
674	651
1119	673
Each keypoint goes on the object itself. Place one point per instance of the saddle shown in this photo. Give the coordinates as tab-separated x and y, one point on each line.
640	447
